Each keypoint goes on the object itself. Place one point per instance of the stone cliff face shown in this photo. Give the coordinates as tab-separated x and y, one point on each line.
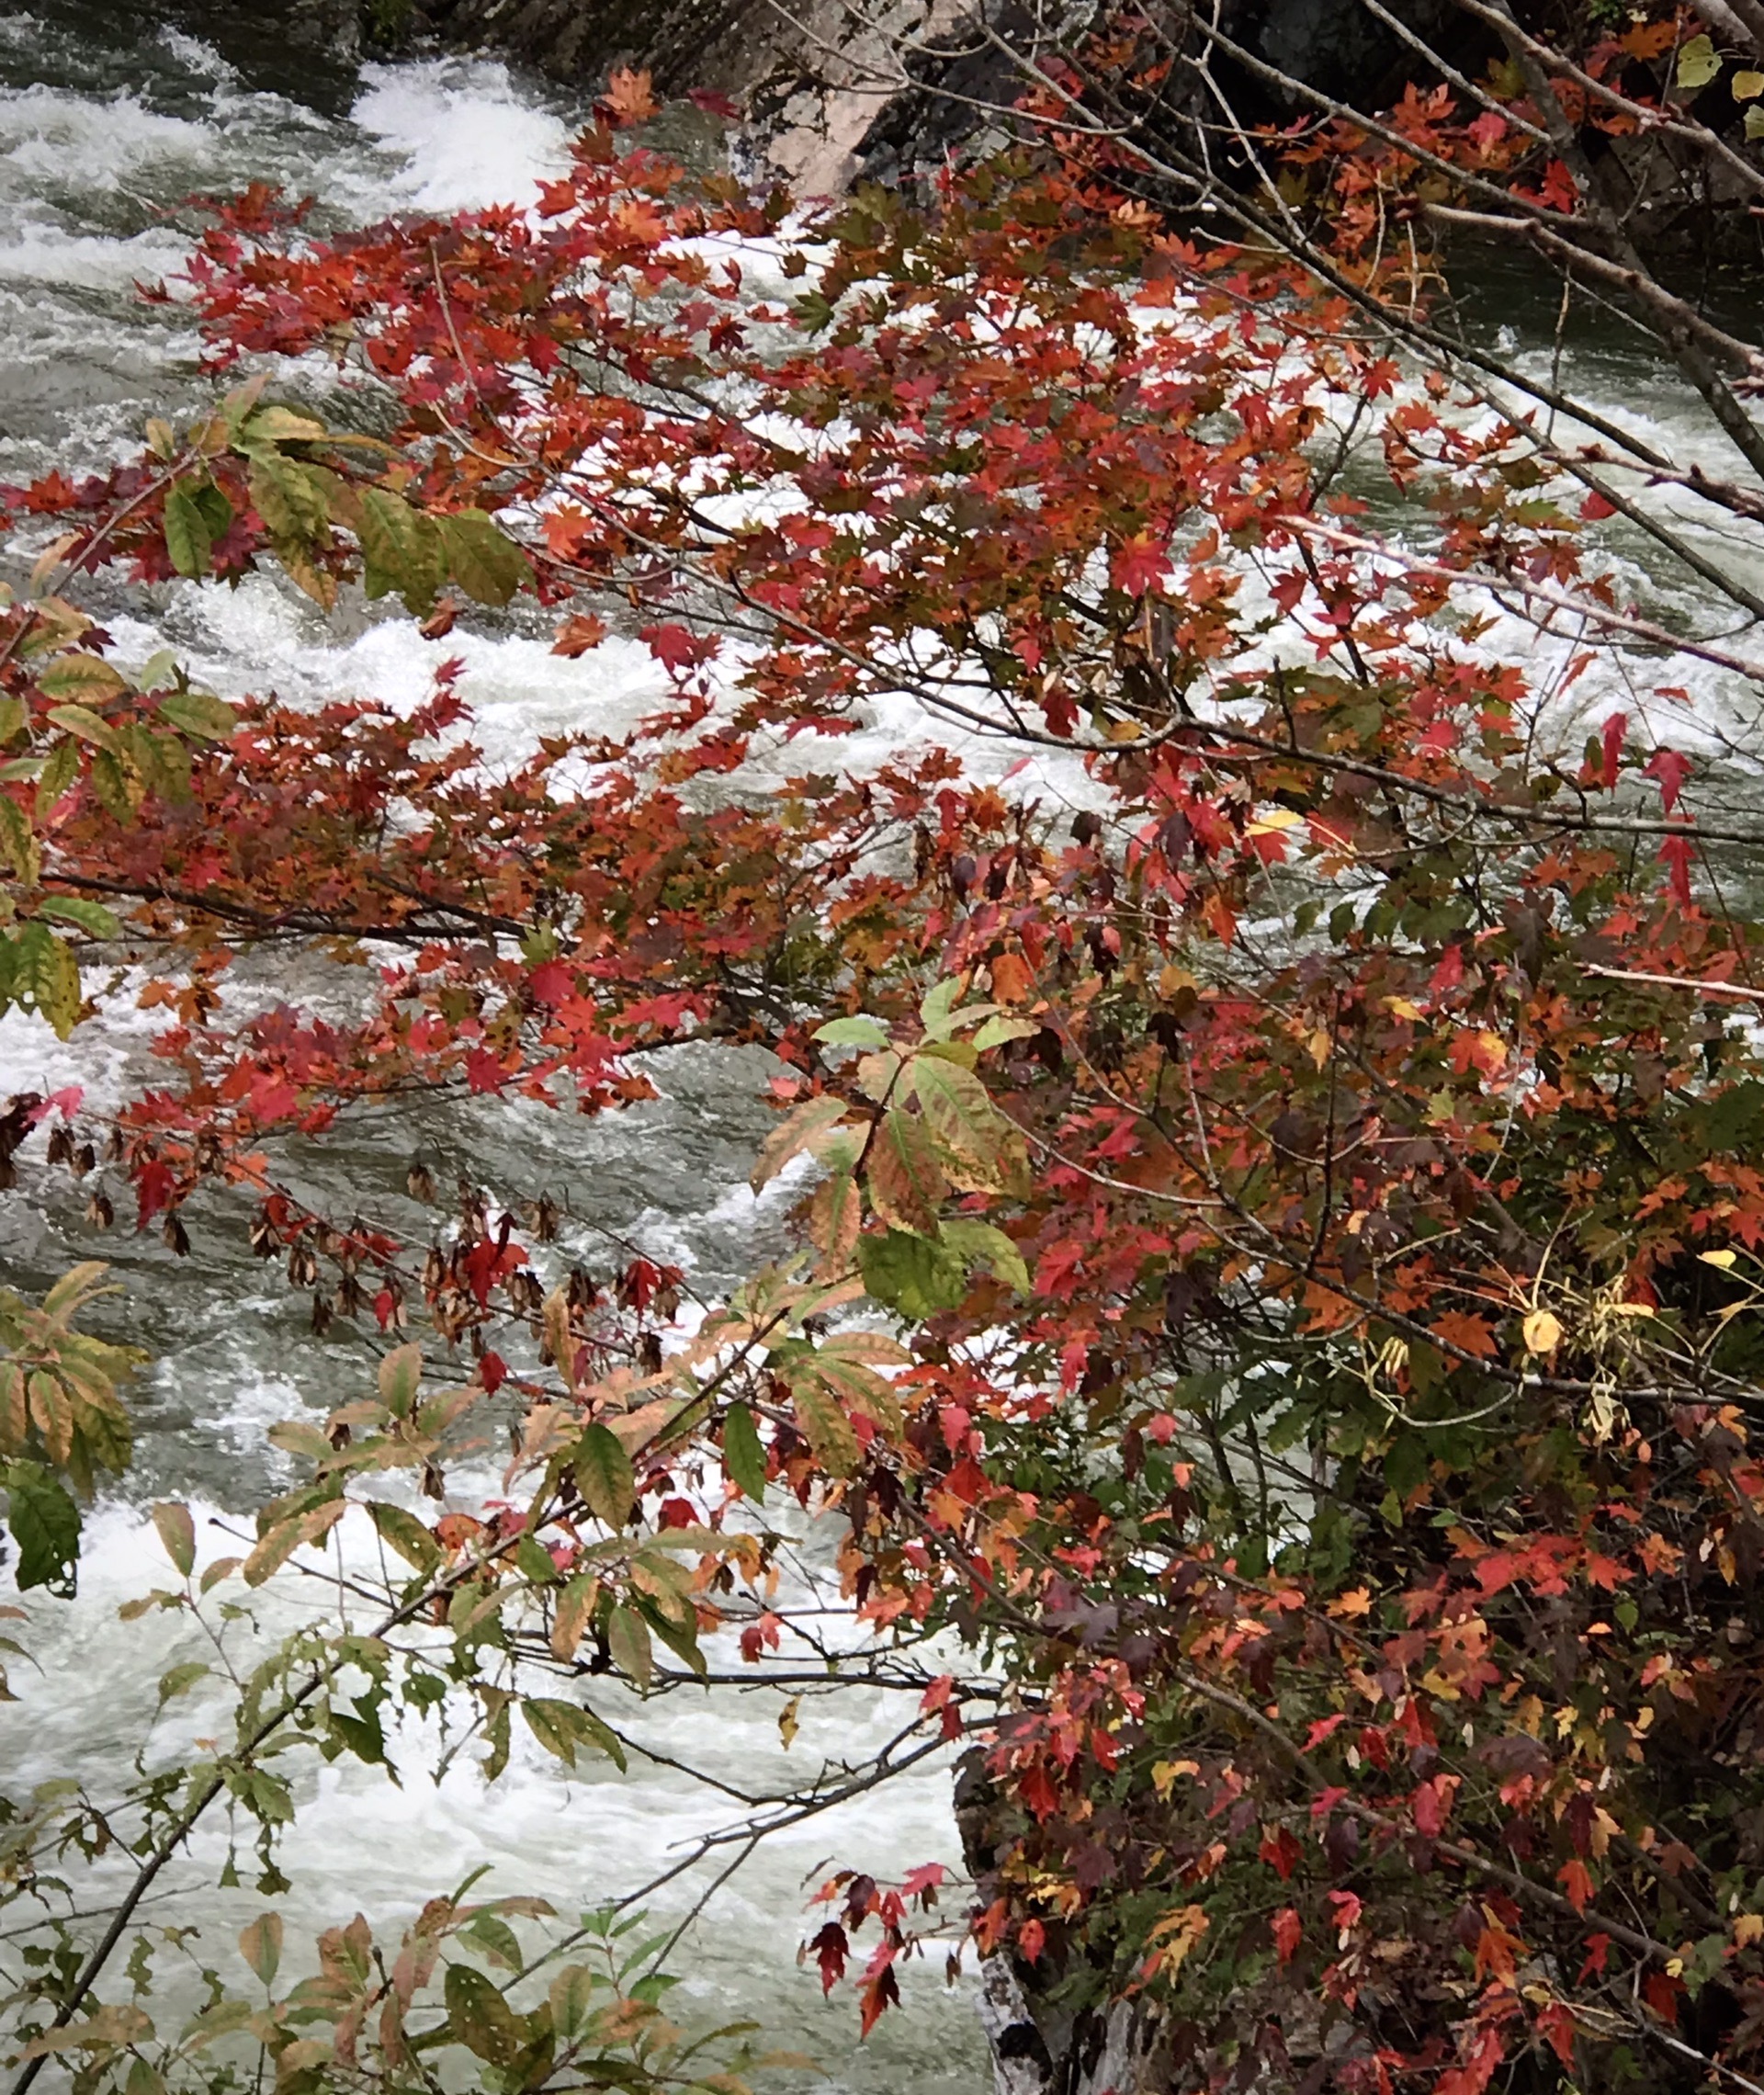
829	96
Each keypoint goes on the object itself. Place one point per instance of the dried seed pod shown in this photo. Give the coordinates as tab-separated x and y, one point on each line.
174	1234
85	1159
321	1313
98	1210
419	1182
433	1487
264	1240
60	1144
352	1298
340	1436
114	1148
648	1352
547	1215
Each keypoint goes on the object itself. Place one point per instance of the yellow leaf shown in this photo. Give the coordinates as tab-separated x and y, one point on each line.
1722	1259
1400	1007
1747	86
1356	1603
1542	1332
1748	1927
1274	821
787	1725
1321	1046
1164	1775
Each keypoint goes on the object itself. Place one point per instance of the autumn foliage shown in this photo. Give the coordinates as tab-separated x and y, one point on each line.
1269	1051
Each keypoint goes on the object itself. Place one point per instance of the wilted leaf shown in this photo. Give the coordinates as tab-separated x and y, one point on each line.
177	1532
260	1943
400	1373
85	678
793	1134
627	1637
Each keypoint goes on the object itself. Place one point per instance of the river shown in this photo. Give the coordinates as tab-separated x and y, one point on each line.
108	118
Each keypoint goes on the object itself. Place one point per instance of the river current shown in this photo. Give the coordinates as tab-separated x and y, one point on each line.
108	118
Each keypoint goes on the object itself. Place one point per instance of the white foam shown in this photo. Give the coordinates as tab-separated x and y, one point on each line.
468	135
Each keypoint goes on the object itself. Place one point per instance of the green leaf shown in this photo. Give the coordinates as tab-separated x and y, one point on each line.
201	714
627	1637
400	549
604	1476
189	539
853	1033
492	1936
291	498
45	978
979	1243
177	1532
45	1524
13	716
937	1014
17	845
81	721
58	774
74	909
910	1274
85	677
1755	122
1699	63
997	1031
179	1680
486	563
743	1455
480	2018
260	1943
405	1534
680	1638
565	1728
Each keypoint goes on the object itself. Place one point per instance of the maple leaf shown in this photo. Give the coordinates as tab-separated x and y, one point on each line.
1139	566
629	97
581	632
677	648
1288	1932
1576	1882
1671	768
1468	1334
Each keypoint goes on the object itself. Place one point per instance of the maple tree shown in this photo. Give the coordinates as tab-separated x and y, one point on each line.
1280	1211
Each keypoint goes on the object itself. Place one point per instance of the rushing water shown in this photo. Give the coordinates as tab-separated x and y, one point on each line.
108	118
